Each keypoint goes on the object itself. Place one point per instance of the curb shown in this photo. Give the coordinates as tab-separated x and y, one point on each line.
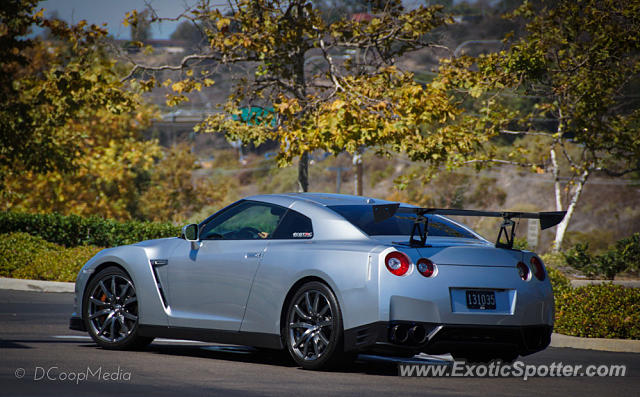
624	283
36	285
603	344
557	340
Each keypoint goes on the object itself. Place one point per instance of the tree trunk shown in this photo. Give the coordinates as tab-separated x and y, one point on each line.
357	161
562	226
303	172
556	179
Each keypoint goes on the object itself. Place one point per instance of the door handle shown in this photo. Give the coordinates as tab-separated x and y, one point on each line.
253	255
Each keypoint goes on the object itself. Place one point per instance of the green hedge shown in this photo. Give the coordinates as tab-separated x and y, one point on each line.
620	258
596	310
73	230
25	256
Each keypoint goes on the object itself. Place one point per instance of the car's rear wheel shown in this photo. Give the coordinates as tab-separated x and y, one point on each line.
110	310
313	331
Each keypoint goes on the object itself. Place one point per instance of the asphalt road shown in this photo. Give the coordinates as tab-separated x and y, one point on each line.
34	339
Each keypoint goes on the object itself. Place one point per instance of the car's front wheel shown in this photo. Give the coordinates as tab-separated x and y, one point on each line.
110	310
313	331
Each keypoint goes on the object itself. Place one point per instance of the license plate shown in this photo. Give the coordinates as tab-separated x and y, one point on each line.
483	300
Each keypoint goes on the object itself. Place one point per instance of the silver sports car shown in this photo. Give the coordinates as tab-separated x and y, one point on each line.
325	277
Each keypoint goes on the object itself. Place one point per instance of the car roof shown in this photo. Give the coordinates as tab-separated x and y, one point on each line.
324	199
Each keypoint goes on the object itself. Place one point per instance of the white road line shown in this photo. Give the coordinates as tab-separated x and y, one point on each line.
418	359
161	340
178	341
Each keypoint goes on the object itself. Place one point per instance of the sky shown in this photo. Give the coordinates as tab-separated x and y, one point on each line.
112	12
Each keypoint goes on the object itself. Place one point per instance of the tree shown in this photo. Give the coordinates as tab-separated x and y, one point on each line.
109	175
71	130
173	191
334	10
189	32
140	28
43	86
571	76
333	86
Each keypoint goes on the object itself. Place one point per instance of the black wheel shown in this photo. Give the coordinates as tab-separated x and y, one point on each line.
313	331
110	311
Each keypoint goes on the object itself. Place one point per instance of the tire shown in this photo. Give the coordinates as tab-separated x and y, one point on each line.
110	311
313	330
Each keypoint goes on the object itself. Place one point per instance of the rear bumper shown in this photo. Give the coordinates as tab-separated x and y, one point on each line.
76	324
436	338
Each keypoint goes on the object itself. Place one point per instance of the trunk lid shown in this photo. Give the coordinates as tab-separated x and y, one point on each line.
471	255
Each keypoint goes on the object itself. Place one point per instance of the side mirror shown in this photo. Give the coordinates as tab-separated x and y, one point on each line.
191	232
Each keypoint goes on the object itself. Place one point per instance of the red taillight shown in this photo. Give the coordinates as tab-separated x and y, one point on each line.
426	267
537	267
397	263
523	270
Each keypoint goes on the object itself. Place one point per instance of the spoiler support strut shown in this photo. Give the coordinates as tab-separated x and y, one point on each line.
420	227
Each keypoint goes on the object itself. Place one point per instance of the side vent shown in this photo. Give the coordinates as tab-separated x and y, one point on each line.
155	264
361	336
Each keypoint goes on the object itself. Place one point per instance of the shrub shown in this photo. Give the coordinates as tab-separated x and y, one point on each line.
19	249
599	239
31	257
598	311
628	250
559	282
554	259
73	230
579	258
520	244
624	256
595	311
61	265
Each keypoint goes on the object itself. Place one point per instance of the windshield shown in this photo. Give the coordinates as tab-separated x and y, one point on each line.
398	225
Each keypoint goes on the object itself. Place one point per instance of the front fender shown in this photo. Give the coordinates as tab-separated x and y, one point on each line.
135	260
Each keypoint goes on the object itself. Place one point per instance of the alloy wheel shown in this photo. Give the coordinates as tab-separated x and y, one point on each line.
311	325
113	309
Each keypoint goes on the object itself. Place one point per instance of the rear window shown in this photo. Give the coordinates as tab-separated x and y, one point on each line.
294	226
398	225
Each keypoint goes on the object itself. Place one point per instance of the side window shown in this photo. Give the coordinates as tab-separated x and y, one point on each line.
294	226
246	221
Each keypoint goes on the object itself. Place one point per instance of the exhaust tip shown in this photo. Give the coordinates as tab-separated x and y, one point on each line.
418	334
399	334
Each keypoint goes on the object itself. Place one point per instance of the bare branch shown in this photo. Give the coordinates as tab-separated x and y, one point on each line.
183	63
540	133
568	156
333	72
499	161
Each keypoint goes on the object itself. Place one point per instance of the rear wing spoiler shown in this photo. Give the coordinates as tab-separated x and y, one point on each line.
420	228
